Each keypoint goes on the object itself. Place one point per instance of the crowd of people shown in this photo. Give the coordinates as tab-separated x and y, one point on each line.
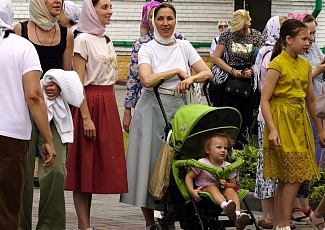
88	157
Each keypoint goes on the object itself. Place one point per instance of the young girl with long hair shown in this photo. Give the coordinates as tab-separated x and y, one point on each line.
289	150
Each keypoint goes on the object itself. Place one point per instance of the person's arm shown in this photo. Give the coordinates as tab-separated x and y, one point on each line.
272	77
79	64
149	79
217	58
311	107
68	52
189	180
17	29
213	47
133	86
319	68
202	71
36	104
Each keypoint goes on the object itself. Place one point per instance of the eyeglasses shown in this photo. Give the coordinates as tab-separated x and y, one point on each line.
223	26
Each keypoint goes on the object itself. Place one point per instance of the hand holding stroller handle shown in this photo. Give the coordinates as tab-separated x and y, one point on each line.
155	88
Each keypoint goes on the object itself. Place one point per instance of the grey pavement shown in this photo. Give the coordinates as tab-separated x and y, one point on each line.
106	211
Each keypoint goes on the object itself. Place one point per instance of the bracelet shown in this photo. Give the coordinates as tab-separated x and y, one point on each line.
232	71
252	70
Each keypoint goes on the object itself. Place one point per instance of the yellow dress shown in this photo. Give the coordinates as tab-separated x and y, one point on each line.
295	159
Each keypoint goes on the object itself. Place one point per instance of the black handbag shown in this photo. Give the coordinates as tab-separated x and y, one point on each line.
238	87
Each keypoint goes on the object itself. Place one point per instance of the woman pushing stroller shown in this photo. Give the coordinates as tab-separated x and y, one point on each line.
216	147
159	59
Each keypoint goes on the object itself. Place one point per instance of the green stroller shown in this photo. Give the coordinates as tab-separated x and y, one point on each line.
189	126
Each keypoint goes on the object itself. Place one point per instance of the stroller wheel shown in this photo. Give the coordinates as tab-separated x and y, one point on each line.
156	227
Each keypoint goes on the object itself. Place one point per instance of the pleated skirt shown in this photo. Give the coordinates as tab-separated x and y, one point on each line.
98	166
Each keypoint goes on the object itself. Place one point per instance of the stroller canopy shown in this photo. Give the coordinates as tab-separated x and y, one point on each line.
192	120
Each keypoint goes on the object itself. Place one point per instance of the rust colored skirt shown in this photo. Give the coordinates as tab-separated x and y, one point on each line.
98	166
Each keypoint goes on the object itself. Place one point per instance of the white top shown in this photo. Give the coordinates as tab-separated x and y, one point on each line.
162	58
101	65
17	57
204	178
213	45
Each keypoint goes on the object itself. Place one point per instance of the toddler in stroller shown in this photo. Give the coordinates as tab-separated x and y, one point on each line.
216	147
190	125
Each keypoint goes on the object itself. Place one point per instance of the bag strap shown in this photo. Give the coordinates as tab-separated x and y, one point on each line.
184	56
215	40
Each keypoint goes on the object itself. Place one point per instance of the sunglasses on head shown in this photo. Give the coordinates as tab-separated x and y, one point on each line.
222	26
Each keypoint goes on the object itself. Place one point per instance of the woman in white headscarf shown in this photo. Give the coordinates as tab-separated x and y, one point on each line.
71	15
54	45
20	93
96	162
160	58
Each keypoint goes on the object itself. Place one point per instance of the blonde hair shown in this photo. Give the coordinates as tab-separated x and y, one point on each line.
239	19
282	19
221	21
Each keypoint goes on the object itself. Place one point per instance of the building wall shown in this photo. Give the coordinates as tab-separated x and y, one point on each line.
197	20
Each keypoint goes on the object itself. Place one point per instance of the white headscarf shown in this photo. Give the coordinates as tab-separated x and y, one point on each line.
6	17
40	15
156	34
271	34
72	11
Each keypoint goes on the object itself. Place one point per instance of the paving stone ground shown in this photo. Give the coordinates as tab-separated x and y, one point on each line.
107	212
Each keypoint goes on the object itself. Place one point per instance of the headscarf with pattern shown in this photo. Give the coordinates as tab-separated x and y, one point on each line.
144	25
271	34
88	21
40	15
6	17
300	17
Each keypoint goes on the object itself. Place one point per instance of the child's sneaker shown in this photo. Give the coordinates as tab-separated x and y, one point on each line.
242	221
230	210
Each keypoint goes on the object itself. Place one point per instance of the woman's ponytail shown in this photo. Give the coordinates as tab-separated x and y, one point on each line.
277	48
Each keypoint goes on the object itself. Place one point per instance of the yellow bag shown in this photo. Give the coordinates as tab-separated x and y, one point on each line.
159	179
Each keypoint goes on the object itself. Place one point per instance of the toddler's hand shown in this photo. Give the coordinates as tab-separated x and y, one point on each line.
223	183
195	195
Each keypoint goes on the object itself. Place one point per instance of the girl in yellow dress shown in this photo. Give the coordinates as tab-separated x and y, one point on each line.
289	150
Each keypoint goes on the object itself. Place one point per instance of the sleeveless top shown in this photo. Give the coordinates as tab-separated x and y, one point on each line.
51	57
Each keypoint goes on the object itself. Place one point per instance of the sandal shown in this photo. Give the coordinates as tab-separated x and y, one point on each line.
260	222
309	211
267	225
230	210
292	225
242	221
313	222
299	218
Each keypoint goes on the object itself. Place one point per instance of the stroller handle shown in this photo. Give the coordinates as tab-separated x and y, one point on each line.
168	126
205	90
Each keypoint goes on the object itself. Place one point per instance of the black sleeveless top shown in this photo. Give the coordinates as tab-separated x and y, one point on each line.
51	57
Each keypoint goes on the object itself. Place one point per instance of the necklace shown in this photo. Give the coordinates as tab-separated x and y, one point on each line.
52	38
